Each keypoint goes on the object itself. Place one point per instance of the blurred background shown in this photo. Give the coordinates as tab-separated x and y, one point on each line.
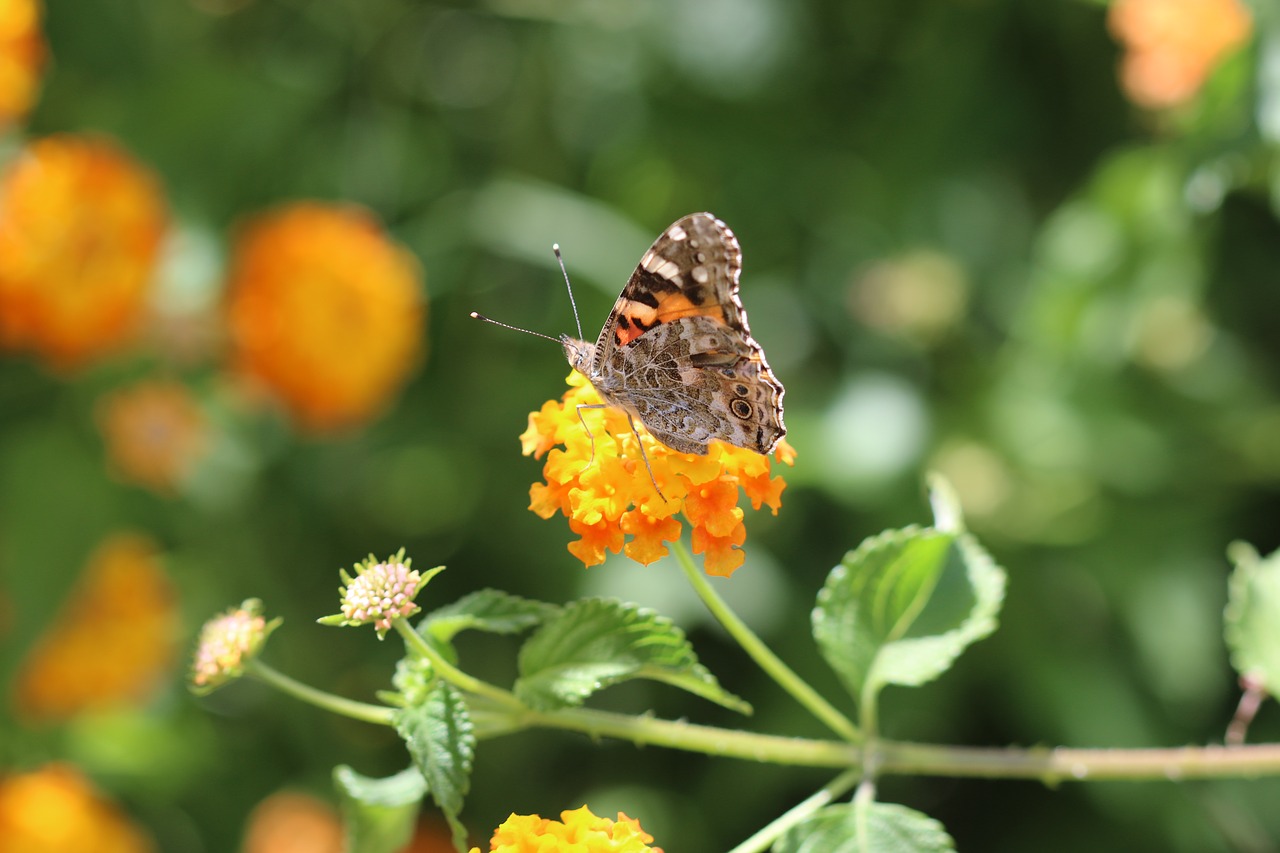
1033	246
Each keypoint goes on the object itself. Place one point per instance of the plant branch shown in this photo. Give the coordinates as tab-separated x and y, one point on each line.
1052	766
904	758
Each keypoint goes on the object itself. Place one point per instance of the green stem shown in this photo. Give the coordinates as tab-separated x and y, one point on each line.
1052	766
504	714
455	676
731	743
834	789
379	714
762	654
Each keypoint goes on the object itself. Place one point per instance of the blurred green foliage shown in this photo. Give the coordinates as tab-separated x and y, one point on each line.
964	251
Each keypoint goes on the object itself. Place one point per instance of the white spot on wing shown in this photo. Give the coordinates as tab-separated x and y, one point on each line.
675	232
668	270
700	274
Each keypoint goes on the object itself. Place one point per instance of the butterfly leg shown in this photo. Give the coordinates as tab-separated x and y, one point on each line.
634	431
590	434
645	457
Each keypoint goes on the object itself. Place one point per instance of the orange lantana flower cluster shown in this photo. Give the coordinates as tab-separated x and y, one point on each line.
324	311
1171	46
22	54
577	831
80	231
113	642
56	810
607	495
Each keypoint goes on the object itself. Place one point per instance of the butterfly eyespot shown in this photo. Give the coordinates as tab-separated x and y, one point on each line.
741	390
741	408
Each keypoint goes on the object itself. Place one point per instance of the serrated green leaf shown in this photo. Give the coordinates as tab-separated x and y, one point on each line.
866	828
903	606
379	815
1252	616
439	736
594	643
490	610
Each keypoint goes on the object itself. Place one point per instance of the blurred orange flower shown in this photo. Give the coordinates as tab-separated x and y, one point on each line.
154	431
605	491
56	810
431	836
288	822
577	831
325	311
80	230
1171	46
114	640
22	54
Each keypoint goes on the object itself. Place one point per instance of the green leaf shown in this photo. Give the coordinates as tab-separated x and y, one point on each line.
903	606
594	643
866	828
1252	616
379	814
490	610
439	736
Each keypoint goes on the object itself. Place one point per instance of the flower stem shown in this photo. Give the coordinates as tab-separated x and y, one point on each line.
455	676
379	714
823	797
764	657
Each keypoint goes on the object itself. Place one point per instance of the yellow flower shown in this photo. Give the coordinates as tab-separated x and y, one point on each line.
578	831
325	312
155	432
114	640
80	231
1171	46
56	810
22	53
608	496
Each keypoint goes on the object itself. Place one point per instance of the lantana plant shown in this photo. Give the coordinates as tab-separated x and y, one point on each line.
898	610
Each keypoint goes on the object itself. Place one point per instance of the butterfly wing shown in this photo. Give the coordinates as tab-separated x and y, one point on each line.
677	352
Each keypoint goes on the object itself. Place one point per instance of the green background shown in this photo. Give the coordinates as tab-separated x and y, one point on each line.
1101	386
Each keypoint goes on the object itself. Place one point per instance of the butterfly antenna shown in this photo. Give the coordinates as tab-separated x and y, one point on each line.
477	316
555	247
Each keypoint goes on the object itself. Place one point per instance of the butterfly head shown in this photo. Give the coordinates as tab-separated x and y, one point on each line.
580	354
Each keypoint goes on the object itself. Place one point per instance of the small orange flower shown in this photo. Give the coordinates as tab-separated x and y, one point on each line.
577	831
80	230
1171	46
22	54
325	311
430	836
56	810
114	640
288	822
155	432
608	496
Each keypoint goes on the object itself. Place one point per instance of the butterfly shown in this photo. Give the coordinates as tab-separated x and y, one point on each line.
676	352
